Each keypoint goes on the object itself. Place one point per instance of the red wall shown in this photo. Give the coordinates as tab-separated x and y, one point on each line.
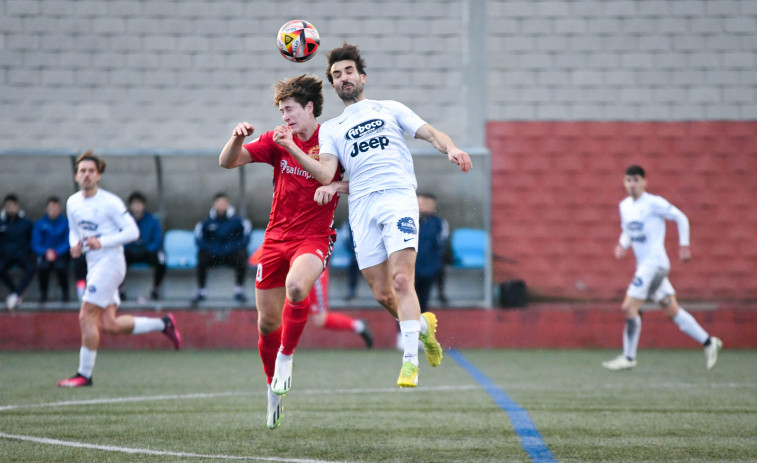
556	188
594	325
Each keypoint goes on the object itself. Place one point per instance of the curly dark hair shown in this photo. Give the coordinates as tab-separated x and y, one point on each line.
302	88
346	52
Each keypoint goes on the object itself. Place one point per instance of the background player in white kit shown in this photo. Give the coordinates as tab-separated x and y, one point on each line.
367	139
642	217
99	226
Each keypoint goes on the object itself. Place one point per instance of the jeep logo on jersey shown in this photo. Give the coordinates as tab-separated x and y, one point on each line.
365	128
378	142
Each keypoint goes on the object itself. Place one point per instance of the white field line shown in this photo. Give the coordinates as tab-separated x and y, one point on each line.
212	395
138	451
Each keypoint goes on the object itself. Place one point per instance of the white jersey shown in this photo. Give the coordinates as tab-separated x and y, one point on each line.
369	142
643	227
103	216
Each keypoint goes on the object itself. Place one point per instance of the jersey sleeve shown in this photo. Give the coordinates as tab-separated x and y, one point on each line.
668	211
326	140
262	149
128	230
73	230
407	119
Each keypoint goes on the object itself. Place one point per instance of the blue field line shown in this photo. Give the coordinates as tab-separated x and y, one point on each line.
530	437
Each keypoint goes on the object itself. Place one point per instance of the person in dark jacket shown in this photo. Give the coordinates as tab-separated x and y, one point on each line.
148	248
433	233
15	249
222	240
50	244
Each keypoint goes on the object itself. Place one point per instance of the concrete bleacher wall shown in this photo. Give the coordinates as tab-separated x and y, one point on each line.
179	75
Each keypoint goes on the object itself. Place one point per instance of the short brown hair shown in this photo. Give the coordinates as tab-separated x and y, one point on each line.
89	156
302	88
345	52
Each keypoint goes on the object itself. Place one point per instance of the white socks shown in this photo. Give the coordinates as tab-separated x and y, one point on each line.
358	326
146	325
424	325
410	330
631	334
689	325
86	361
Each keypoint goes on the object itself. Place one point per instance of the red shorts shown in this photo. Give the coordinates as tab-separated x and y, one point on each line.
276	258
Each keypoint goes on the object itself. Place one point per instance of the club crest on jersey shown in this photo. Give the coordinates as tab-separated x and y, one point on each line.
407	225
365	128
636	225
314	152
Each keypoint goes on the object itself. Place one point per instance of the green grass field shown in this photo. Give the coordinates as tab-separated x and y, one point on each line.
210	406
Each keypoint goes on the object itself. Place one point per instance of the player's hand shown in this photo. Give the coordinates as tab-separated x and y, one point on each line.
324	194
684	253
75	251
282	135
461	158
93	243
243	129
619	252
51	255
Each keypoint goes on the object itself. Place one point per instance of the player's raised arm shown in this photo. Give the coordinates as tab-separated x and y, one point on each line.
444	143
322	169
234	154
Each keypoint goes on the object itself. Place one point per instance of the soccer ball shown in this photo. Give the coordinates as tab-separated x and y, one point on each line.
298	41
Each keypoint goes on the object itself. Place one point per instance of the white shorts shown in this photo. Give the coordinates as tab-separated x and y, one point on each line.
383	222
650	283
103	279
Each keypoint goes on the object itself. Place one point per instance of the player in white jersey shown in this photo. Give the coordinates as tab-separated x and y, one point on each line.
99	226
642	221
367	139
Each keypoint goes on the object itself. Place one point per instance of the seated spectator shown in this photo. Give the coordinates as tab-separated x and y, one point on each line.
222	240
50	244
433	234
353	271
15	249
148	248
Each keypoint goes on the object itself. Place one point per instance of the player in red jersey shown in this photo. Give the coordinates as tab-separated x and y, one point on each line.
299	237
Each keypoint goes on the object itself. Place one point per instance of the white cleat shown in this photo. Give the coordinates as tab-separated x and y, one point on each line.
711	352
619	363
275	410
12	301
282	376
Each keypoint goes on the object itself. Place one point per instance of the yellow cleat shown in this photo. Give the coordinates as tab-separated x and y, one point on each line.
408	375
430	344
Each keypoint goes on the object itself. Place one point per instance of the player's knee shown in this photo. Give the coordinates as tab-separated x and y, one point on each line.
296	291
386	298
402	283
109	326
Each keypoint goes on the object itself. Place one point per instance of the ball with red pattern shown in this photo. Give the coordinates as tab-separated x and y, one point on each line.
298	40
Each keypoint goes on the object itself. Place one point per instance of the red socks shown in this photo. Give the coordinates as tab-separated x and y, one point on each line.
294	318
268	346
337	321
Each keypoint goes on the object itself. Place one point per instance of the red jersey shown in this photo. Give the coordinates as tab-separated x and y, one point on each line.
294	212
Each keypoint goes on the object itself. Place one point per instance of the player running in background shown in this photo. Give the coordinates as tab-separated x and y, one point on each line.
299	237
320	315
367	139
642	221
99	225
